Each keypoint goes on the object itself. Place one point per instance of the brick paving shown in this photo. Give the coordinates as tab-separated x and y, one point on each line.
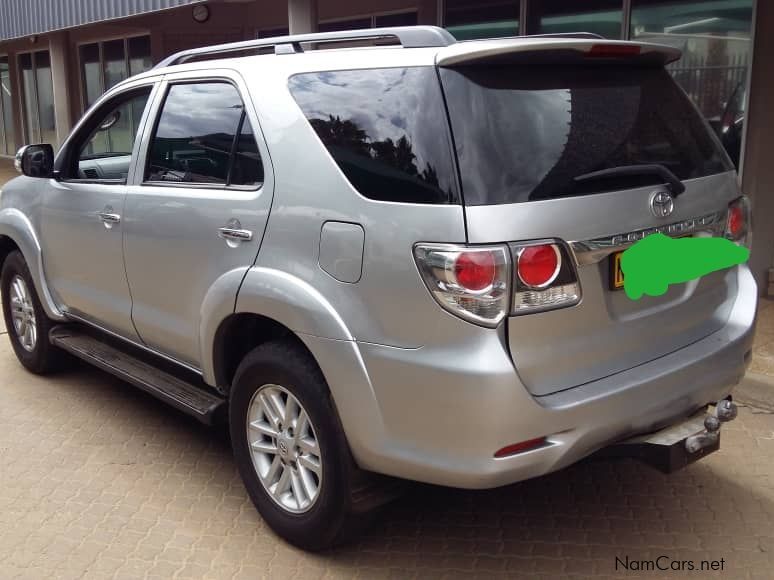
99	481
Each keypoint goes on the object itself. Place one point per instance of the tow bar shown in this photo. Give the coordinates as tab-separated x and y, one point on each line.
680	444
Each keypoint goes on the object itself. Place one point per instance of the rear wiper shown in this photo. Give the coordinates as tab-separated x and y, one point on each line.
675	185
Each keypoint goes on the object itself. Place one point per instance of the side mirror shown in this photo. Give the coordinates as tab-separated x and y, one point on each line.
112	119
35	161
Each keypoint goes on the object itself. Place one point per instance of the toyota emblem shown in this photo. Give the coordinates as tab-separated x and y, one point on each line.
661	203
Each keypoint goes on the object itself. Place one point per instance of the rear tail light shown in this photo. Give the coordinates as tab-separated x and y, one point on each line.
545	277
538	266
738	221
470	282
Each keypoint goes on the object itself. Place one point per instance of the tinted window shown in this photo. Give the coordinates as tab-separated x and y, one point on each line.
526	133
247	168
195	139
386	129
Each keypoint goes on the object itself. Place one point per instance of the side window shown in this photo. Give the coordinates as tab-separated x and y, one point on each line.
105	150
385	128
203	136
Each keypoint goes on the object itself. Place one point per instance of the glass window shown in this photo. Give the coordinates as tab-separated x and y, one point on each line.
401	19
534	133
469	19
6	106
115	62
45	87
140	58
92	73
105	64
601	17
338	25
31	127
106	151
385	128
272	32
196	134
38	98
715	39
247	168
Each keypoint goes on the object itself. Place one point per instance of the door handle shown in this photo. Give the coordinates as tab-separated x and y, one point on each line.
109	218
235	234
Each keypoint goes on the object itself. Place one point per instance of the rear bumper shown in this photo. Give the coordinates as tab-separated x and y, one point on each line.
439	414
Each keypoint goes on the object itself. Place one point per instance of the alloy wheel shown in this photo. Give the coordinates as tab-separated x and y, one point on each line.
284	448
23	314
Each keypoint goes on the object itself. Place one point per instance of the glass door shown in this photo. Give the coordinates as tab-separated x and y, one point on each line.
7	134
38	98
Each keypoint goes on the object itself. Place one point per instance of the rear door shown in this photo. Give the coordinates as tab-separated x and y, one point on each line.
524	135
199	207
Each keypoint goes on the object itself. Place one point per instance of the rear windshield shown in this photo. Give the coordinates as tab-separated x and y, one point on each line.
527	133
385	128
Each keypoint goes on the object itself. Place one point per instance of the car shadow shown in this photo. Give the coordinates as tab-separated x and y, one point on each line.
584	520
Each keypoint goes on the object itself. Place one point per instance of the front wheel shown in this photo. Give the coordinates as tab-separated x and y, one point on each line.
25	320
290	447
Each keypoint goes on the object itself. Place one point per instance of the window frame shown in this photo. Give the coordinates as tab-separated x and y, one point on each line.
87	124
151	129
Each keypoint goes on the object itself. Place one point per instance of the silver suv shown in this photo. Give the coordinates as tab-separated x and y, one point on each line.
389	262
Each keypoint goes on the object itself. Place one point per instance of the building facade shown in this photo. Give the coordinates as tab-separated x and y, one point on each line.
58	56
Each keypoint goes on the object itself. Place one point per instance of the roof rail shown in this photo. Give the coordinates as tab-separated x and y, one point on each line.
409	37
587	35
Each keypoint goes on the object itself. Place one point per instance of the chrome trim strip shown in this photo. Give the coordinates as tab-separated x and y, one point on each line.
149	350
593	251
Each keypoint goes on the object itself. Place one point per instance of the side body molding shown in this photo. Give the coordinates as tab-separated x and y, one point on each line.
17	226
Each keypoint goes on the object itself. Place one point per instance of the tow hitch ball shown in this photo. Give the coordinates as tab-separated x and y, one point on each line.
724	411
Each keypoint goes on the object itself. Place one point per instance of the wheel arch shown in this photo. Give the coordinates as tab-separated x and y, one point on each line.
239	334
269	304
17	233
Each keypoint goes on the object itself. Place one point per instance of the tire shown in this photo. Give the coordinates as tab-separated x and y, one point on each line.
340	506
38	355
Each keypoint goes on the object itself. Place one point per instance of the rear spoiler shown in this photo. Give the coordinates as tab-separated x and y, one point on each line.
552	50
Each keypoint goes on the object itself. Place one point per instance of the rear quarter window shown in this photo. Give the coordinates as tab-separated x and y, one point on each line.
386	129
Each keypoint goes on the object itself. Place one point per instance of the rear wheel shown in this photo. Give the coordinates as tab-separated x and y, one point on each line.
291	450
25	320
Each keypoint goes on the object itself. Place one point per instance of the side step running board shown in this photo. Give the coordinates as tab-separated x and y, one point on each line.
184	396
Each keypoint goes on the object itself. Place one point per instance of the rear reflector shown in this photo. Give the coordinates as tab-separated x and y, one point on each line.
613	50
517	448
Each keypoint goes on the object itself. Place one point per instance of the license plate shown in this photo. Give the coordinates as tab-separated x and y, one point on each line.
616	274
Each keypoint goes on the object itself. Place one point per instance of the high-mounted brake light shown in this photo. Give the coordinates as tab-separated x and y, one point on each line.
613	50
472	282
738	221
